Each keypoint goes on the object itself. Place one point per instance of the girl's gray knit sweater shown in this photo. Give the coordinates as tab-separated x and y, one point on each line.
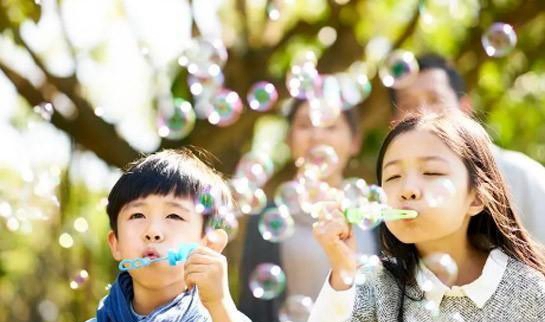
520	296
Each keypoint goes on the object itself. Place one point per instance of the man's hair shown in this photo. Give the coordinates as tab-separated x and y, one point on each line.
178	172
435	61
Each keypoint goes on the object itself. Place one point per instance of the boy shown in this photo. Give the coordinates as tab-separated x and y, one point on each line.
151	210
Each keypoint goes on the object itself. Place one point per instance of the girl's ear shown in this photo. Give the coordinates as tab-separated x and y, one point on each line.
476	205
114	246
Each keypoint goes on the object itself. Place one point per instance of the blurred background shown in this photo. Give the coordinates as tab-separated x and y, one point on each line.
88	86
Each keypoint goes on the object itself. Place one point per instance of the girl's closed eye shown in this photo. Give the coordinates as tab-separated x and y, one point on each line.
393	177
175	217
434	173
137	215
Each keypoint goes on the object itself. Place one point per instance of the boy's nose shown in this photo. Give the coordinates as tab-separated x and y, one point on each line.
153	237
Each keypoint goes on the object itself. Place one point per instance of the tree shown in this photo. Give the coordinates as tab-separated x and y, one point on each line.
507	91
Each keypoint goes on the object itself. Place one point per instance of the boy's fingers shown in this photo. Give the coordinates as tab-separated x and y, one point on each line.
216	240
200	258
194	278
196	268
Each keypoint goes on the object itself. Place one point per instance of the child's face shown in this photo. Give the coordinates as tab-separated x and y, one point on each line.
420	172
151	226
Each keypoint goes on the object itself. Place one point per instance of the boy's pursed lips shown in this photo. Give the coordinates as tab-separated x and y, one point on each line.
151	253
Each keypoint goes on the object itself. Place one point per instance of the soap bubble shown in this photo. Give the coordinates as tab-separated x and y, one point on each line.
499	39
175	121
262	96
276	224
249	198
443	266
286	195
256	167
320	162
204	57
355	193
303	80
399	69
377	194
322	113
227	108
79	280
368	266
226	219
267	281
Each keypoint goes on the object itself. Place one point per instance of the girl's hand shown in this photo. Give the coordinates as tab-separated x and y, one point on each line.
206	268
335	236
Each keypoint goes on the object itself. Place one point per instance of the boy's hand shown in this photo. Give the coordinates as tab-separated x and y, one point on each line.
335	236
206	268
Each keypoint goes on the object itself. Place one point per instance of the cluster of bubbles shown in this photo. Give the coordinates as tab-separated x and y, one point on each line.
328	95
220	214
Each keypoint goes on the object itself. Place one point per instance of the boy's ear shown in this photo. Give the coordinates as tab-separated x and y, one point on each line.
476	205
114	247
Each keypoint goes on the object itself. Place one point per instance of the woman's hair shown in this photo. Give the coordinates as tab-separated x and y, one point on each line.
351	115
496	226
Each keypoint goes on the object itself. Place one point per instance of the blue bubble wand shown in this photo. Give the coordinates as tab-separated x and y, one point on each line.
173	258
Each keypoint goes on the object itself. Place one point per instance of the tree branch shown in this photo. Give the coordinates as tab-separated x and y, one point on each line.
86	129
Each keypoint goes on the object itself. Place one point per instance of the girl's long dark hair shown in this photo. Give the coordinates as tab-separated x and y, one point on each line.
497	226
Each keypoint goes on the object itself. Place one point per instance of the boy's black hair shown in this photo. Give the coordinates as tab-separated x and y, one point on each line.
179	172
435	61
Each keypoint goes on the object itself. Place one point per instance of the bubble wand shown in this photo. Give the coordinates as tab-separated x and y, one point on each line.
357	215
173	258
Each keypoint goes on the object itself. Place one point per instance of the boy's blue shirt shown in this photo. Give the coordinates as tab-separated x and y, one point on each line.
117	307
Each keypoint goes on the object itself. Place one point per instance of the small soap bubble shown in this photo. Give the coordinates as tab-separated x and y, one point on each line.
267	281
499	40
262	96
377	194
325	210
225	219
286	195
303	80
399	69
313	192
276	225
256	167
250	199
79	280
204	57
373	216
355	193
205	201
320	162
297	308
274	10
175	121
227	108
322	113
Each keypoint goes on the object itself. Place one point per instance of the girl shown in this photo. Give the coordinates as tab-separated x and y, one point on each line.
441	166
